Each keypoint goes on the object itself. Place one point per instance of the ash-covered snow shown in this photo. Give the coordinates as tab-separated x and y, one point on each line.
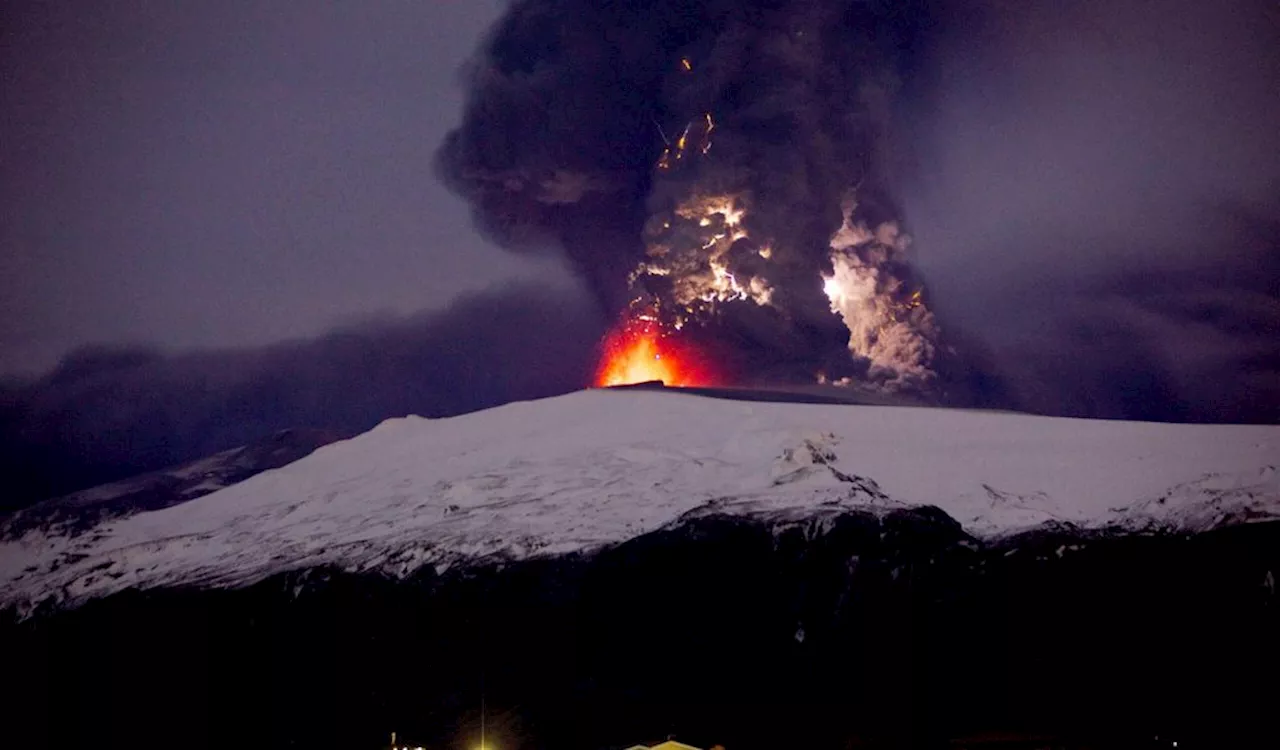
573	473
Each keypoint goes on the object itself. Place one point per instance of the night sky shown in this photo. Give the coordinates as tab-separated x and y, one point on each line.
231	173
220	220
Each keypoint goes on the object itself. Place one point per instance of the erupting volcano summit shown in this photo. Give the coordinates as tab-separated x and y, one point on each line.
640	350
721	179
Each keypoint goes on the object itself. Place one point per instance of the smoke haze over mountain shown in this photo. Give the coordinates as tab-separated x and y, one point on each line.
1093	192
108	413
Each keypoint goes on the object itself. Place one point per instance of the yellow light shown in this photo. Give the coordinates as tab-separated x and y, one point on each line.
831	287
664	162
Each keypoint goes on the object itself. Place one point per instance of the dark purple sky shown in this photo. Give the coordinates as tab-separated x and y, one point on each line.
229	173
1096	196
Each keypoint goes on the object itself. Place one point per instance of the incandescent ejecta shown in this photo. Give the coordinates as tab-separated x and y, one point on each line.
718	171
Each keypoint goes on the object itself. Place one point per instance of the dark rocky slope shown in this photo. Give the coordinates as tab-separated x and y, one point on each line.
81	511
847	631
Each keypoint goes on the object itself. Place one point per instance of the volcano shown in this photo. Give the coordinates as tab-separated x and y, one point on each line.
641	351
892	575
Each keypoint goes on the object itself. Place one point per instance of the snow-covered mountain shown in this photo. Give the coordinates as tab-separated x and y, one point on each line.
610	566
78	511
580	472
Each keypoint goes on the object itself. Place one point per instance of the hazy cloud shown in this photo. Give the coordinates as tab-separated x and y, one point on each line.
110	412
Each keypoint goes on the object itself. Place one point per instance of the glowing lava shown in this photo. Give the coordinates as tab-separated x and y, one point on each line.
640	351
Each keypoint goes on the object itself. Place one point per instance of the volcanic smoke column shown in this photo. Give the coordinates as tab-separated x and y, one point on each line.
715	169
870	287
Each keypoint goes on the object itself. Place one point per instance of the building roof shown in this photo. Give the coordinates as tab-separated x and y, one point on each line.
668	745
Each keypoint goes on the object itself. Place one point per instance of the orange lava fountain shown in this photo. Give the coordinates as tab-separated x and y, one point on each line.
640	351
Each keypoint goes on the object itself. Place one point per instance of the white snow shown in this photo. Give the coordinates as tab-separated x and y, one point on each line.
596	467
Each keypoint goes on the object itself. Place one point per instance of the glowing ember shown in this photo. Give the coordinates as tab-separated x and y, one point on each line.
640	351
706	134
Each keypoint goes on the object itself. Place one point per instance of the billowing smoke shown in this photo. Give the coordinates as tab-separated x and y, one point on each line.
887	319
719	168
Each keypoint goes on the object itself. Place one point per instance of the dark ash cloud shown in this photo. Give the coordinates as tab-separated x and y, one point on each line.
1092	188
612	129
107	413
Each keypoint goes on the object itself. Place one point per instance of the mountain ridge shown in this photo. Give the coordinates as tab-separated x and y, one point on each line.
582	472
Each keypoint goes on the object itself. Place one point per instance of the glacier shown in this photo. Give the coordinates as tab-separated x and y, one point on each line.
590	469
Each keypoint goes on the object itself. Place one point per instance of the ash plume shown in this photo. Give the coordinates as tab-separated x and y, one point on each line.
110	412
719	167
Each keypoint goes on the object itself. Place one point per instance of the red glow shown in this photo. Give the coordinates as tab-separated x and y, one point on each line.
639	351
